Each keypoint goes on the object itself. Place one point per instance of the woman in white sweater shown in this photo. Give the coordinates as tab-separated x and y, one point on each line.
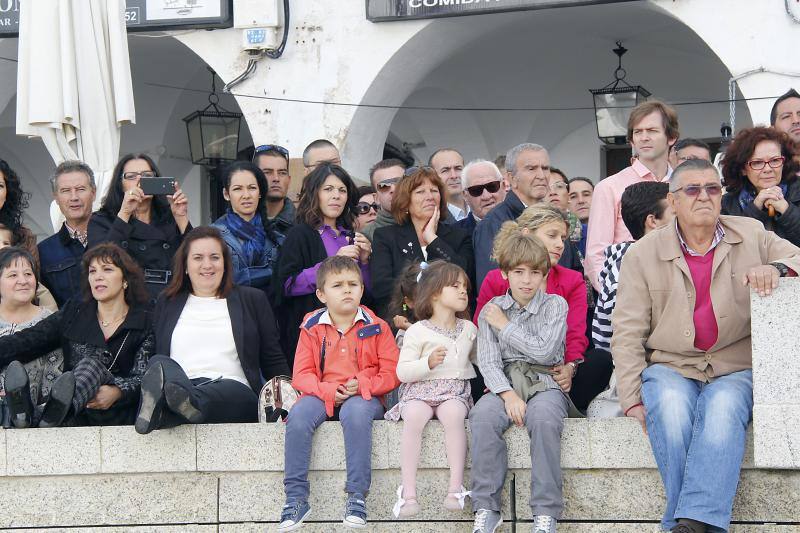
435	367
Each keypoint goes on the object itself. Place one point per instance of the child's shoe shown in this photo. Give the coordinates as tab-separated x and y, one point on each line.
292	516
405	508
454	501
544	524
355	511
486	521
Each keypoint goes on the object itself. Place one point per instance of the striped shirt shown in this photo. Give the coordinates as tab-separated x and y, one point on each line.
607	297
719	233
536	334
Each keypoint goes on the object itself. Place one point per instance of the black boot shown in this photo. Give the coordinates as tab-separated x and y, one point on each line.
151	406
18	395
60	403
179	401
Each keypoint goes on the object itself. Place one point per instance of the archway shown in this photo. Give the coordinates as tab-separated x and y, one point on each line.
545	59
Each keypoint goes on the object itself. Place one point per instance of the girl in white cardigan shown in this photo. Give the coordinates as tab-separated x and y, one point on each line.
435	367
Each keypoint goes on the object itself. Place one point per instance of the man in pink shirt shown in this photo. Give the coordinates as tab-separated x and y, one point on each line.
652	130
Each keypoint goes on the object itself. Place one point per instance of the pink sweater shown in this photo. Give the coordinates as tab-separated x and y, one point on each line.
706	329
562	281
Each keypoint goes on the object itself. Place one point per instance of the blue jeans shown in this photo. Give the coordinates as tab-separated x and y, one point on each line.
697	432
356	415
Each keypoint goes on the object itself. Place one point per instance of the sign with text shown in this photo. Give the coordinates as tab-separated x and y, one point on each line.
146	15
389	10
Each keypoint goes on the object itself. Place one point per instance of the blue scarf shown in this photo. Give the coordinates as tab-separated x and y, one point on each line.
251	234
747	195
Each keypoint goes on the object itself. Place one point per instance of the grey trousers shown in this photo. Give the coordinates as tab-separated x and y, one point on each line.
544	419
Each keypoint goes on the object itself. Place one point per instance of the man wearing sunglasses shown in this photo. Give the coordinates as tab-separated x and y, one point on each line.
273	160
483	189
681	343
384	176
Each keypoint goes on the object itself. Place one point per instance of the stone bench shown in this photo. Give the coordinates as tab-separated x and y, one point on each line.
228	478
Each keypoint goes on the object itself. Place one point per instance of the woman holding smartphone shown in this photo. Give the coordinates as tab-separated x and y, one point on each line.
150	228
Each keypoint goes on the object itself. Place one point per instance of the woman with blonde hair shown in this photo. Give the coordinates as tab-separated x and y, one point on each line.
550	226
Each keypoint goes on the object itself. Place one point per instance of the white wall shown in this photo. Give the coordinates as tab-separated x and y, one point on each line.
160	131
679	49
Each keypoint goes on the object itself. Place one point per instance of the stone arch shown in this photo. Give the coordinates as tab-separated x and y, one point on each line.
543	59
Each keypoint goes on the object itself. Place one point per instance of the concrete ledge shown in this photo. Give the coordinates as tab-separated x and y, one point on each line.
448	527
586	445
231	476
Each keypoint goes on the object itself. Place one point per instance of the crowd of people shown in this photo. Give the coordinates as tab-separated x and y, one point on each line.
494	292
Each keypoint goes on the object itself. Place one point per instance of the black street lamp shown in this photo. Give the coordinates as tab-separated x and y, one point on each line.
614	102
213	131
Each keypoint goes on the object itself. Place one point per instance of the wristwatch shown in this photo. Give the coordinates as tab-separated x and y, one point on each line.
574	367
783	270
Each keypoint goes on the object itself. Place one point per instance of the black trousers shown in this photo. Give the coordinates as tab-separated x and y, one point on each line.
592	377
220	400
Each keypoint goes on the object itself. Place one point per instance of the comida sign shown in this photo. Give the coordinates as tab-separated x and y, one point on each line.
389	10
145	15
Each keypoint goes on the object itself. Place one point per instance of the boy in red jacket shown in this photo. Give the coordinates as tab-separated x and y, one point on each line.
345	360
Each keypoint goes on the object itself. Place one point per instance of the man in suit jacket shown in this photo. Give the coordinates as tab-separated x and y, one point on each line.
483	189
60	254
528	168
681	342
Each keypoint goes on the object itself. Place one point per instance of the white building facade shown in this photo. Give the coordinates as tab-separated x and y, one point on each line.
480	83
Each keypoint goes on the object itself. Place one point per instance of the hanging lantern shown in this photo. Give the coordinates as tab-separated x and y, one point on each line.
614	102
213	131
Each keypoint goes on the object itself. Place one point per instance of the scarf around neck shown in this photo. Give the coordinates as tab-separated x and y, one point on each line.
747	195
251	234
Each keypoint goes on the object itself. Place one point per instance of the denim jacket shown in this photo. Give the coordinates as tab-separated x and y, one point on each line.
60	261
256	276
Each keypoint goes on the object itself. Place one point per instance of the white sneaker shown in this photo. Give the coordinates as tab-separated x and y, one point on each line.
486	521
544	524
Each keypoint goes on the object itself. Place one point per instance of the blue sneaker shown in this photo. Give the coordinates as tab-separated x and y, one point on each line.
292	515
355	512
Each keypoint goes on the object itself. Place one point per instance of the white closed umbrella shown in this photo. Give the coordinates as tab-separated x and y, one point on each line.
74	87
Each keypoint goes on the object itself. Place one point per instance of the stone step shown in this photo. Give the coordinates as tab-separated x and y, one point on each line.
233	474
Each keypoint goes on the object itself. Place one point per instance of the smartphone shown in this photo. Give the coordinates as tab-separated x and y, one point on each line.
156	186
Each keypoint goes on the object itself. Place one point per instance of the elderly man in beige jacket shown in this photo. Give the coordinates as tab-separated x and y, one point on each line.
681	343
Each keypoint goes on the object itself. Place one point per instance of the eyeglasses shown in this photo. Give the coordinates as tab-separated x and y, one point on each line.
477	190
136	175
559	185
758	164
362	208
713	189
387	184
270	147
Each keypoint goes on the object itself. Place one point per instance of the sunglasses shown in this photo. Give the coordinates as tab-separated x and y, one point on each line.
268	148
694	190
412	170
477	190
387	183
362	208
